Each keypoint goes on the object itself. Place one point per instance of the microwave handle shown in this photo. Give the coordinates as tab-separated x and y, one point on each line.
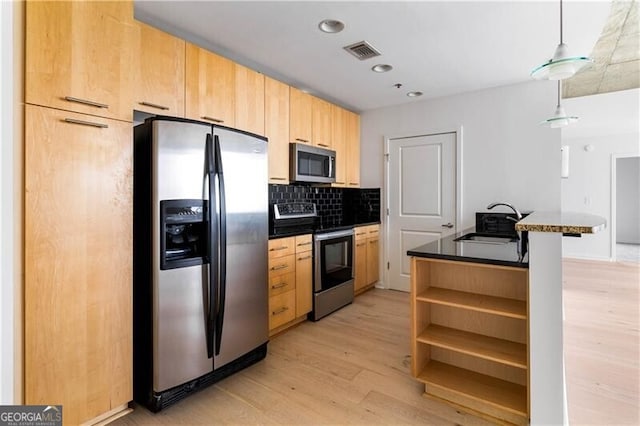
331	161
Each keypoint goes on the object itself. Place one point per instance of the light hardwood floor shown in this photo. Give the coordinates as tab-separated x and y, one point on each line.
352	367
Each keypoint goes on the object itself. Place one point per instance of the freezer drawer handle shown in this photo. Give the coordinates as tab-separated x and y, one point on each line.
149	104
277	268
280	310
85	102
85	123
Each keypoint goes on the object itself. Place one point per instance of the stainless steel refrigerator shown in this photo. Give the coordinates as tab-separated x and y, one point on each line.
200	256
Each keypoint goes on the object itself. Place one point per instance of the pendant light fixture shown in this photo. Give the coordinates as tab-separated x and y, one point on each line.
560	118
562	65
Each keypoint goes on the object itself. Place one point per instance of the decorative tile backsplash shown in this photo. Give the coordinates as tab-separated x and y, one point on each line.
335	205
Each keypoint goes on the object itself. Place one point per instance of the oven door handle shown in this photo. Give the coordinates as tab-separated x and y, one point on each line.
335	234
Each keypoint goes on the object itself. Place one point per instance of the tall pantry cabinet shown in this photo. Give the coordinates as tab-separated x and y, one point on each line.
78	200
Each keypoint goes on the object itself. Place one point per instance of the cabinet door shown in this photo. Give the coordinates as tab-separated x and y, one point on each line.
353	149
276	129
373	261
321	123
78	268
78	56
338	135
299	116
159	87
210	87
249	100
360	263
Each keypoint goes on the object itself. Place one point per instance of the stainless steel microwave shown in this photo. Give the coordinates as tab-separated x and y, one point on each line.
311	164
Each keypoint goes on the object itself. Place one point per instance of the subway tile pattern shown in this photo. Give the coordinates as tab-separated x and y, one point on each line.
336	206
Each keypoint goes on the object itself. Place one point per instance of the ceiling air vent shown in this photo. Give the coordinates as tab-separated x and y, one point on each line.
362	50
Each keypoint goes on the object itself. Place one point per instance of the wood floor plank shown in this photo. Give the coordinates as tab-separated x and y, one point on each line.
352	367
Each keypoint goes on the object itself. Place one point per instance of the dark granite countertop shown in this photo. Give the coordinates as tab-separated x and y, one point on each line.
493	254
292	232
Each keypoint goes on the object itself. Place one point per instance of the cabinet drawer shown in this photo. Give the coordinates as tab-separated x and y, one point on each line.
282	309
282	283
282	265
373	231
361	232
303	243
281	247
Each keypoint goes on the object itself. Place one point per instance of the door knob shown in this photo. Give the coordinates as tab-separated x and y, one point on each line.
448	225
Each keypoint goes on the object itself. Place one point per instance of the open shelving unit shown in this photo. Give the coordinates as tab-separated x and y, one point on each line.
470	336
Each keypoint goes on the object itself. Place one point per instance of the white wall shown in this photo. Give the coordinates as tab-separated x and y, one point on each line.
610	125
507	156
628	200
6	206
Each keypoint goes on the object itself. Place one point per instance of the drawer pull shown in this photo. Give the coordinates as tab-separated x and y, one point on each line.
85	123
304	258
304	244
149	104
361	244
278	178
373	232
354	183
215	120
279	248
277	286
373	241
324	145
277	268
360	233
85	102
302	140
280	310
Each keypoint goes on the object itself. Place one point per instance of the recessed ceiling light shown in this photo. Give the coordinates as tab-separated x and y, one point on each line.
330	26
414	94
381	68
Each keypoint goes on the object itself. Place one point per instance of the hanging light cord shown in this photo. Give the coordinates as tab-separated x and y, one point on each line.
560	21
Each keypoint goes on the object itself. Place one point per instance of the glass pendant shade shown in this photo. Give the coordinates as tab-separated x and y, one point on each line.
562	65
559	119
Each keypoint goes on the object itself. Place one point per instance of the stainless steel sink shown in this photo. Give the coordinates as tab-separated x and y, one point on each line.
486	238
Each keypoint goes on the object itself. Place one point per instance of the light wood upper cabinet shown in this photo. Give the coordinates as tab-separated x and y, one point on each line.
249	100
352	125
338	137
159	59
300	116
77	264
276	129
321	123
210	87
79	56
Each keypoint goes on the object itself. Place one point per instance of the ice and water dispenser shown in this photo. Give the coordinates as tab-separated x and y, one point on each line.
183	233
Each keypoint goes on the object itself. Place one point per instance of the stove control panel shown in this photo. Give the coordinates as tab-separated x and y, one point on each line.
294	210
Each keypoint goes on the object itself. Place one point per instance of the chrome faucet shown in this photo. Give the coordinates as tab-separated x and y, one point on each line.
516	211
522	244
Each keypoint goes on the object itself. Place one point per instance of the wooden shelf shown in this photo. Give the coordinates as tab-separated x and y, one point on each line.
512	308
486	389
491	348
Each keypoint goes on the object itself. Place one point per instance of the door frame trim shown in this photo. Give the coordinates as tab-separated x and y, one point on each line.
458	130
613	239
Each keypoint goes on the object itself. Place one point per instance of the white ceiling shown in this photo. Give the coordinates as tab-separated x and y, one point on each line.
437	47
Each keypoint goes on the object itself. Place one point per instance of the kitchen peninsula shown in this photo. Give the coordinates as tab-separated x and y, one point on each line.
487	322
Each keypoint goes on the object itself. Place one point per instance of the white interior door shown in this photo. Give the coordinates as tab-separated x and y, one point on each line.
421	196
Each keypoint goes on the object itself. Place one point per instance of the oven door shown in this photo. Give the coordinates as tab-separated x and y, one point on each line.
333	259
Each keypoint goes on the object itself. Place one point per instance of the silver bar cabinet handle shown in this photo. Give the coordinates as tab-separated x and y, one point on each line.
215	120
85	123
85	102
149	104
302	140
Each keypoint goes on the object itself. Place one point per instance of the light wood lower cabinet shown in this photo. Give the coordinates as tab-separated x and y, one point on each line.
367	257
469	332
290	281
78	267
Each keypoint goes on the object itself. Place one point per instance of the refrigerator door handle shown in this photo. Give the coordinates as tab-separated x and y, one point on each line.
212	246
223	246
